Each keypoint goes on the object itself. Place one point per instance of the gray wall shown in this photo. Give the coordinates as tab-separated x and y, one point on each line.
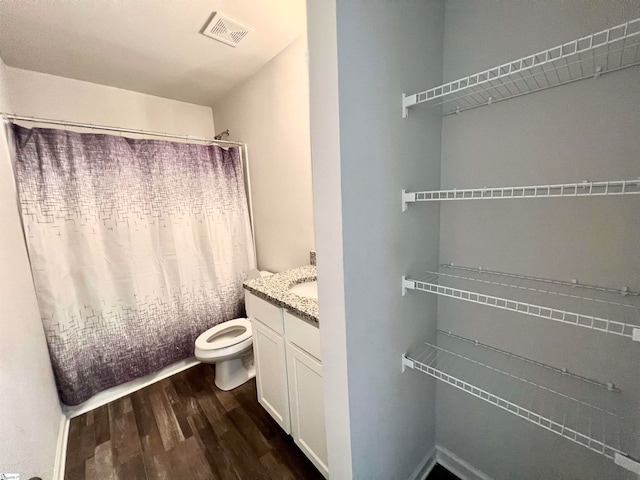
386	48
588	130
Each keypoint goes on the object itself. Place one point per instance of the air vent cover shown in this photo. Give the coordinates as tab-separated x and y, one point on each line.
226	30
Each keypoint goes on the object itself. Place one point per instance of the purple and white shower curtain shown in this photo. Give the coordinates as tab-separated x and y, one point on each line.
136	247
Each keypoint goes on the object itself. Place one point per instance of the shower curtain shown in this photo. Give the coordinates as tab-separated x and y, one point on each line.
136	247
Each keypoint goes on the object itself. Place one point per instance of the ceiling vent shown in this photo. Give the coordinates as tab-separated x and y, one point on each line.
225	30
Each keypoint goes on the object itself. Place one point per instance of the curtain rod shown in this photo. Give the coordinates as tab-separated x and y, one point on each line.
10	116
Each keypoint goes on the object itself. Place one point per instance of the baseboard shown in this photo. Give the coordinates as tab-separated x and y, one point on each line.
61	449
125	389
461	469
425	466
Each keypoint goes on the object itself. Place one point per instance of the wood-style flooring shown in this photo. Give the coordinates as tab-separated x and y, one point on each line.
184	428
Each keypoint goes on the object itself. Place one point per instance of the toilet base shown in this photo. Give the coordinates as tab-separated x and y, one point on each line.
234	372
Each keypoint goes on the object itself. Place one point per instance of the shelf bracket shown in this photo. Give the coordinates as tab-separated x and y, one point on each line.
407	285
636	335
407	363
408	101
407	197
626	462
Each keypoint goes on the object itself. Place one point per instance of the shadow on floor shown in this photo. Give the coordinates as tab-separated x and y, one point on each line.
441	473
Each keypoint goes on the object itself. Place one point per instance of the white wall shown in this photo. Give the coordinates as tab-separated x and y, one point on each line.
49	96
327	206
30	413
270	112
383	49
587	130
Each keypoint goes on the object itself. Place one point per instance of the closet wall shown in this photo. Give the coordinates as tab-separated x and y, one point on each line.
384	48
324	109
587	130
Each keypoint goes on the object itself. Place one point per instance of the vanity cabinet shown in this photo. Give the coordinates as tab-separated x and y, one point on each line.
271	377
306	401
289	375
270	358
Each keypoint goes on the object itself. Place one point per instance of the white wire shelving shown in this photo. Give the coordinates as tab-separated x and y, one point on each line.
578	410
580	189
606	310
607	51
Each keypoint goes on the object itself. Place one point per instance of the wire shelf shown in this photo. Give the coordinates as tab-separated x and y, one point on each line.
575	409
581	189
602	309
607	51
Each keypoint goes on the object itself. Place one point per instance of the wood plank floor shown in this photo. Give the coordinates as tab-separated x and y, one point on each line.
184	428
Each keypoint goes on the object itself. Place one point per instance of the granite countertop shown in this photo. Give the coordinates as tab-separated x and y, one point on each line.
275	289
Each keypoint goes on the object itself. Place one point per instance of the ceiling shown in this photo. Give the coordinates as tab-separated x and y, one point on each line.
149	46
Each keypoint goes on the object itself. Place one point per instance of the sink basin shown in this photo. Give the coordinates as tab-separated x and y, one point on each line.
306	289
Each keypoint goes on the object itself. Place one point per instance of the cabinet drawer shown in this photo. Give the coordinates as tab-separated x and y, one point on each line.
304	335
264	312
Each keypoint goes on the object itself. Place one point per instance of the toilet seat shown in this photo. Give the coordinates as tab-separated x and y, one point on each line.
230	346
224	335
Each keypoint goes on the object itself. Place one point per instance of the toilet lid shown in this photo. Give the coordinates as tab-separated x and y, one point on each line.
225	335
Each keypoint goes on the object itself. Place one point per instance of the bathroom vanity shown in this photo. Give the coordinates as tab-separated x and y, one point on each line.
286	344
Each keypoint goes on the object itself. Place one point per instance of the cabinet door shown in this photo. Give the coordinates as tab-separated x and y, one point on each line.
307	405
271	373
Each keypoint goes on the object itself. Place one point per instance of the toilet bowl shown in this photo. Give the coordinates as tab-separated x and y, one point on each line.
230	346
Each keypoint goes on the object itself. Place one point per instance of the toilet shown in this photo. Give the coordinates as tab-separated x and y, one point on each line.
230	346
